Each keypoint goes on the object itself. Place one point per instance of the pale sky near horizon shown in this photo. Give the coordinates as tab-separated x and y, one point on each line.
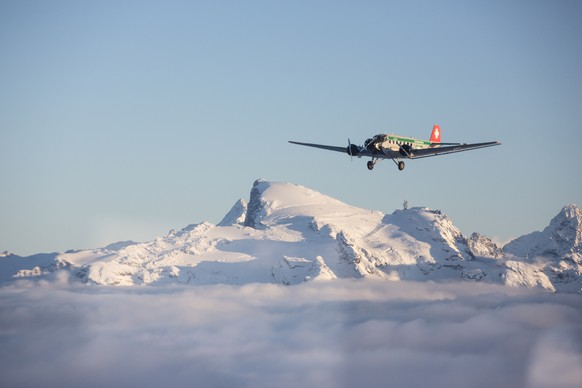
120	120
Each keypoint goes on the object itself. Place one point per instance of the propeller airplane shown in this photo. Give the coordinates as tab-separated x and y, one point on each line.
395	147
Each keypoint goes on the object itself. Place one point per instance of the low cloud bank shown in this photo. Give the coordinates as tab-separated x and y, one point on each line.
325	334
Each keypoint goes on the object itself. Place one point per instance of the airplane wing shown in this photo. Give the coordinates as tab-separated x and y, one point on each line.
428	152
324	147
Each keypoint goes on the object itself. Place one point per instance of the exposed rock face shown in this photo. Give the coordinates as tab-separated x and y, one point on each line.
483	246
255	205
236	215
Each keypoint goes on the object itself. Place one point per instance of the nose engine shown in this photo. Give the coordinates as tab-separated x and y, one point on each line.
369	144
375	143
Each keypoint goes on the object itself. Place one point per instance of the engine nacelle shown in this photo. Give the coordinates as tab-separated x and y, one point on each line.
405	150
352	150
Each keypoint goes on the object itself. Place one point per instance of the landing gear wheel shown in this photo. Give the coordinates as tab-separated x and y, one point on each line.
370	165
401	165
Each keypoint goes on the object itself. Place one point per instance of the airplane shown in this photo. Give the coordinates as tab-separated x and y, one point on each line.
395	147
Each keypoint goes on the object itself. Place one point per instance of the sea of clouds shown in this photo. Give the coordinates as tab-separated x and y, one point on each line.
341	333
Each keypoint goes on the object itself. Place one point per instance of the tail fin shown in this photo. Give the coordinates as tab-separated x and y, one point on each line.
435	136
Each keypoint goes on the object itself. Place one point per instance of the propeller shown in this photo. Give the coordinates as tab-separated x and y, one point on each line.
353	150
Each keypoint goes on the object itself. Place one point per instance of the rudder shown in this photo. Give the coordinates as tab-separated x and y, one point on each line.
435	136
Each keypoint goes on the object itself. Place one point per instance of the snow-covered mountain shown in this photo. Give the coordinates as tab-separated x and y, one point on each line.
556	251
289	234
562	238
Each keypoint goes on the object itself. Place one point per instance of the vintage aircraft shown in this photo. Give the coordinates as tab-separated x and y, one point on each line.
397	147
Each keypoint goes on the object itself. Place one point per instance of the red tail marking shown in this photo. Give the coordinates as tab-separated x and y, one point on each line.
435	136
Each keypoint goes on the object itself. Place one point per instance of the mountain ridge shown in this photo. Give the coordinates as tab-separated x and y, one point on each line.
288	234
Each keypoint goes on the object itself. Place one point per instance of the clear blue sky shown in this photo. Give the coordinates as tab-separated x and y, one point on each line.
123	119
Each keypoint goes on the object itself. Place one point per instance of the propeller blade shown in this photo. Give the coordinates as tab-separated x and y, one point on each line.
350	150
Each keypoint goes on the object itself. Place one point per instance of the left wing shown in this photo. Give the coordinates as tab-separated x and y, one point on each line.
428	152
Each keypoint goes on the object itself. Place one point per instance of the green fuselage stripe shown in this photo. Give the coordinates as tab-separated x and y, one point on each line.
408	140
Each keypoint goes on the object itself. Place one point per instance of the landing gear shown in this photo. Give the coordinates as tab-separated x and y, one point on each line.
372	163
399	163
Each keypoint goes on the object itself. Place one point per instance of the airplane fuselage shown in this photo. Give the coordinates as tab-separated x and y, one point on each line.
394	143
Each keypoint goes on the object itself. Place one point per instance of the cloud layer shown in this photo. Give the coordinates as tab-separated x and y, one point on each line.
337	333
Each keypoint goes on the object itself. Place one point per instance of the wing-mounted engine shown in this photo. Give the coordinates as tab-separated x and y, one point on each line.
352	149
406	150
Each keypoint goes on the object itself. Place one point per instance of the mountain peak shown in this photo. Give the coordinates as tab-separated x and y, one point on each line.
567	229
562	237
270	201
569	217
